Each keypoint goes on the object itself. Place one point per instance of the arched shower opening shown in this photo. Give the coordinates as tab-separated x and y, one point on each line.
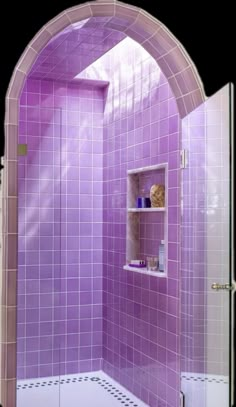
64	206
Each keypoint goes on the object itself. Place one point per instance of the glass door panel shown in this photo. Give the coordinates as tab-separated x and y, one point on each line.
39	270
205	254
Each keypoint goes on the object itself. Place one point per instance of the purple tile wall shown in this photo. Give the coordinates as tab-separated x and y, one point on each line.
59	326
75	48
141	313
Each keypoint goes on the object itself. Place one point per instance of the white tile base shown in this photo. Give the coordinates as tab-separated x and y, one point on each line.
94	389
205	390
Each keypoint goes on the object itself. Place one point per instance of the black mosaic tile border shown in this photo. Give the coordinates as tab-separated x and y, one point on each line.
204	379
106	385
117	394
55	382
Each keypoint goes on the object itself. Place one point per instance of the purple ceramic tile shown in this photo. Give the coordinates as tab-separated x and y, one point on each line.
77	239
69	64
142	317
43	244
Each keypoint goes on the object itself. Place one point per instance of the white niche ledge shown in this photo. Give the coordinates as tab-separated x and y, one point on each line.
143	270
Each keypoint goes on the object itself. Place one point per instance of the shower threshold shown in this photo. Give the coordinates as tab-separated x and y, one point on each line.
94	389
204	390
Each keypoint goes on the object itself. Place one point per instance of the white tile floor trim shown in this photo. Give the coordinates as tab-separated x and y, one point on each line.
94	389
202	390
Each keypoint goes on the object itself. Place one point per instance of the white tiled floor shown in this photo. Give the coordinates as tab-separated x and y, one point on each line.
82	390
205	390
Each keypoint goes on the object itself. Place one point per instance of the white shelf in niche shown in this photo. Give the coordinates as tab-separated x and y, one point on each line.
136	180
143	270
146	209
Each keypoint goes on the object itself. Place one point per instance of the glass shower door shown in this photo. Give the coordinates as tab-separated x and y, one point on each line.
206	276
39	262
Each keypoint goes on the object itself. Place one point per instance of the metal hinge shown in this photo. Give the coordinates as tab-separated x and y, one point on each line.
183	158
22	149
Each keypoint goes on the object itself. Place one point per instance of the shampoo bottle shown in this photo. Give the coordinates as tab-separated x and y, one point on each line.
162	255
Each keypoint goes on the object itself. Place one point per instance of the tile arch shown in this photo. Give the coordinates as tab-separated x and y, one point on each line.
183	79
153	35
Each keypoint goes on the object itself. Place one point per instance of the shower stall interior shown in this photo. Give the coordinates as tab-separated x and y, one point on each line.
99	124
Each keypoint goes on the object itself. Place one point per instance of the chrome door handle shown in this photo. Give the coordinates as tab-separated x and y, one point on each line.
227	287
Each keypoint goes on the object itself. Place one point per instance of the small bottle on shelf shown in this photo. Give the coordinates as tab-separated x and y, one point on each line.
162	255
140	199
143	201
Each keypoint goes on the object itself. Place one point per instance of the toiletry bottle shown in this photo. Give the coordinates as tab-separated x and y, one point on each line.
141	199
162	255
